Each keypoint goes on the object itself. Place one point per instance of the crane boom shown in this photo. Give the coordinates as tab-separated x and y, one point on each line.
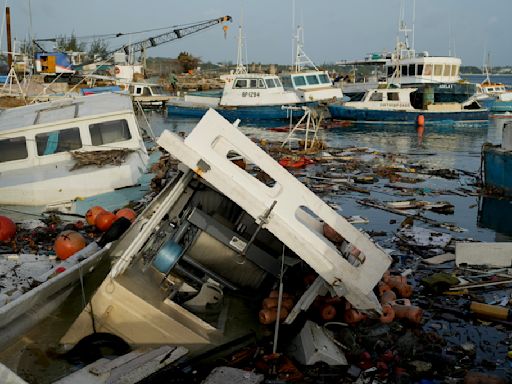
170	36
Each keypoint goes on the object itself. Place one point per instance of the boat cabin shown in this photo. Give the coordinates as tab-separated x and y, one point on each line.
36	141
312	86
423	69
394	98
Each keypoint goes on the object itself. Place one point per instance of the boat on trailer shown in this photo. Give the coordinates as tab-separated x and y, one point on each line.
194	262
56	153
404	106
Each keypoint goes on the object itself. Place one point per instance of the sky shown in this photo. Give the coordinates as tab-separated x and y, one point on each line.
333	29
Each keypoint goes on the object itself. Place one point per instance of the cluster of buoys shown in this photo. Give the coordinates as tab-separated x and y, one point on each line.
299	162
7	229
69	242
268	313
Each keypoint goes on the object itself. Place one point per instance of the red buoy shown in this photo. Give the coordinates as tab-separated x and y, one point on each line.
91	214
7	228
68	243
420	120
127	213
104	220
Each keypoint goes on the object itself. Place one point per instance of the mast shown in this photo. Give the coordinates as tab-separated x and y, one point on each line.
301	59
240	66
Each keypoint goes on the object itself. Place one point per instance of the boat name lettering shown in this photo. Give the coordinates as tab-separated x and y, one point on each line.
250	94
448	86
394	104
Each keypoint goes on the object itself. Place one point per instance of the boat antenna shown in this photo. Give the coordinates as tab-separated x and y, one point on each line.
240	67
301	59
413	23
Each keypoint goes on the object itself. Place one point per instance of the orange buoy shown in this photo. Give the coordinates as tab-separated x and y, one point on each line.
104	220
268	316
388	313
68	243
353	316
420	120
128	213
328	312
90	215
7	228
387	297
412	313
271	302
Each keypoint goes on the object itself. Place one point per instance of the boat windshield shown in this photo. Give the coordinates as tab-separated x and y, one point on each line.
14	148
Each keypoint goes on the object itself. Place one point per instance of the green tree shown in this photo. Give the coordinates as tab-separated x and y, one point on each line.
98	48
187	61
65	43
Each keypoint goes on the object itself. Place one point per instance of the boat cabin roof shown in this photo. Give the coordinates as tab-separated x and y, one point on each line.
63	109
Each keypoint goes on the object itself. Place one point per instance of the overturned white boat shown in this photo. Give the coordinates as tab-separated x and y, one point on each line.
39	145
214	238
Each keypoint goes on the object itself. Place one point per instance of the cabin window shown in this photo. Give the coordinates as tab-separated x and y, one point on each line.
13	149
324	79
412	70
312	80
391	71
377	96
438	70
428	70
455	71
270	83
299	81
447	69
287	81
278	83
109	132
404	70
240	83
261	83
64	140
419	69
393	96
253	83
146	91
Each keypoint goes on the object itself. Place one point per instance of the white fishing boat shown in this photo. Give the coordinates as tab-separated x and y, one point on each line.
55	153
259	96
214	239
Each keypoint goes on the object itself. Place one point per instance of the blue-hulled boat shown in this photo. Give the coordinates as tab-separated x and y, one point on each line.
404	106
497	164
260	96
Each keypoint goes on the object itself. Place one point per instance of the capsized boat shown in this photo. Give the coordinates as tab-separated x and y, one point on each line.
57	152
404	106
204	250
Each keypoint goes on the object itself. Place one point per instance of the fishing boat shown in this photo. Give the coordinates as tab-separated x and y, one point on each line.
494	96
191	267
259	96
404	106
56	153
435	77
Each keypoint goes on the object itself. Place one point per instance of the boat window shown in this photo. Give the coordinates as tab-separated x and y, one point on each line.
270	83
298	81
391	70
428	70
13	149
393	96
419	70
63	140
412	70
490	89
377	96
131	89
312	79
261	83
158	91
438	70
447	69
146	91
278	83
324	79
240	83
109	132
287	81
254	83
404	70
456	71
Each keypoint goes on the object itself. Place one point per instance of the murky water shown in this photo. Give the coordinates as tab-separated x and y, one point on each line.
452	146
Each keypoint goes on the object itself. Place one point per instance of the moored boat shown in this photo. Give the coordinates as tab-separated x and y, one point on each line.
403	106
